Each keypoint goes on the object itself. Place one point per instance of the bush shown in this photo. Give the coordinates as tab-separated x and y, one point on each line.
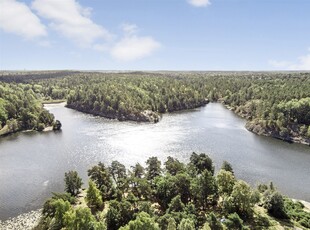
233	221
73	183
41	127
274	204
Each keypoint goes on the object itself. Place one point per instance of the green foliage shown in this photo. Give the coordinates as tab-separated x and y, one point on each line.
225	181
102	178
118	172
137	171
142	222
119	214
61	207
3	112
57	125
119	175
227	167
308	132
274	203
262	188
204	190
185	199
140	187
153	168
164	190
295	211
171	224
213	222
206	226
182	182
186	224
49	207
81	219
176	205
73	183
20	109
174	166
262	221
93	196
275	104
202	162
234	222
146	206
241	200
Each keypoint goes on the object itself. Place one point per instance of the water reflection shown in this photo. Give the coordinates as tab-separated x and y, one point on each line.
32	165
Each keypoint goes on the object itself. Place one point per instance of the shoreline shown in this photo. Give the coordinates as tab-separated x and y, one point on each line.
147	116
291	140
294	140
25	221
46	129
152	117
29	220
53	102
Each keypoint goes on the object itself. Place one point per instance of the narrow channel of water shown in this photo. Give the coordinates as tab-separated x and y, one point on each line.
32	165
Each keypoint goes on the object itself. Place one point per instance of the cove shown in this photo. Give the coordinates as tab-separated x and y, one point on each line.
32	164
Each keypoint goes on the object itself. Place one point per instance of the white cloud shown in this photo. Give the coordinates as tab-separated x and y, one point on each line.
133	47
130	28
199	3
302	63
71	20
17	18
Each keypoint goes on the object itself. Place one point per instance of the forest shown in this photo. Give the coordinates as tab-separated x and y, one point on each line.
274	104
21	109
171	196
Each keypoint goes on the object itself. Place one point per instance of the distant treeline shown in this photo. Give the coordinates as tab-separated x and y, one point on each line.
169	197
25	76
274	103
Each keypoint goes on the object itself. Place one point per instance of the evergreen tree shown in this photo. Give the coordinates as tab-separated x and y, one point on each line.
153	168
225	181
142	222
186	224
171	224
73	183
93	197
227	167
102	178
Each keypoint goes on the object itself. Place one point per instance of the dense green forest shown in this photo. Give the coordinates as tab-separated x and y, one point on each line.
274	103
176	196
21	109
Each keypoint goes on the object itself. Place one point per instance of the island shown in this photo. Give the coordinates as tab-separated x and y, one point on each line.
174	196
275	104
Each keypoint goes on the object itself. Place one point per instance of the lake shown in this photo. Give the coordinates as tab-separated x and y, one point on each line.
32	164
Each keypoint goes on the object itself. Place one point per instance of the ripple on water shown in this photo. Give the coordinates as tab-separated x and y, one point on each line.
33	165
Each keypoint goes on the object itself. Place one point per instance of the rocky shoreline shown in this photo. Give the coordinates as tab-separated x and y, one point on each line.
258	130
25	221
144	116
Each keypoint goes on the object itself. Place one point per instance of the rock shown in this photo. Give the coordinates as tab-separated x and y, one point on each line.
150	116
57	125
25	221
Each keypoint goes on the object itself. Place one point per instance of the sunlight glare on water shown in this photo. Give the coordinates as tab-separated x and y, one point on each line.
33	164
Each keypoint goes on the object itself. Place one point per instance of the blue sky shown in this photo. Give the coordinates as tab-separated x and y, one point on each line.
155	34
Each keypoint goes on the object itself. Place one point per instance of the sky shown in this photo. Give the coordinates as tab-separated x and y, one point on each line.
155	34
